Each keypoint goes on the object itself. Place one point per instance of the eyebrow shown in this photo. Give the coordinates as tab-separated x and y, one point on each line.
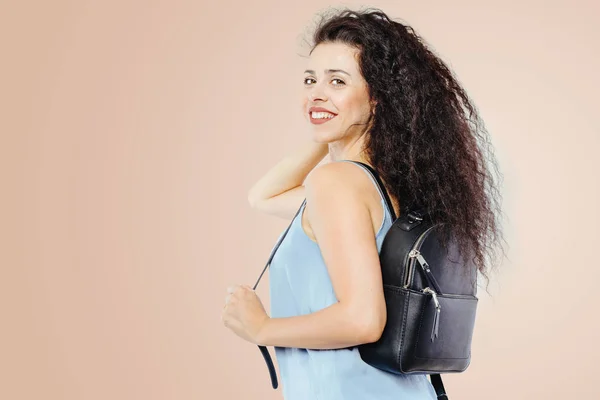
327	71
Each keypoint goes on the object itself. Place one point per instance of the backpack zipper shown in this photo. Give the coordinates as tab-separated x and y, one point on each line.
412	255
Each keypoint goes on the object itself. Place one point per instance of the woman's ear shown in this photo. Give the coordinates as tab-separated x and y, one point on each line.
373	105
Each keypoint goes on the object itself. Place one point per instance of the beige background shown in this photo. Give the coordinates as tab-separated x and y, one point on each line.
132	131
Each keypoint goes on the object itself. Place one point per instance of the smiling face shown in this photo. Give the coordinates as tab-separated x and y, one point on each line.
334	84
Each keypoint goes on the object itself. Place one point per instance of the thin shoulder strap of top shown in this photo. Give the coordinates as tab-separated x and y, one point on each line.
382	190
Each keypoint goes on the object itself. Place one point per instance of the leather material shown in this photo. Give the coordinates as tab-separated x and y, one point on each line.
413	341
405	345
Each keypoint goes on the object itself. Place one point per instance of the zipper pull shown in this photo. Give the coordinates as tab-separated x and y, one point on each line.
436	315
425	267
423	263
414	253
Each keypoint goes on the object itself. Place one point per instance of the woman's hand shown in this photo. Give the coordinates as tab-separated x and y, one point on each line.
244	313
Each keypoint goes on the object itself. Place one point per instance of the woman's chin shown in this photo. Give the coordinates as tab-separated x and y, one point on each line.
318	138
322	136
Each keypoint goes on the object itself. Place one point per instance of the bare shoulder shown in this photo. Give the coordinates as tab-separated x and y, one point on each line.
343	176
340	187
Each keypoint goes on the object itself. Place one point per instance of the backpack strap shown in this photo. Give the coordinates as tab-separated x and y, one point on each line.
263	349
438	385
381	187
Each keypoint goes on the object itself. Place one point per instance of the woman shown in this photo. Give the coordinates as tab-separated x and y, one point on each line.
374	93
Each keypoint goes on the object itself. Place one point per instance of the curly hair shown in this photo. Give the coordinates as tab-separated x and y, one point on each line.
426	140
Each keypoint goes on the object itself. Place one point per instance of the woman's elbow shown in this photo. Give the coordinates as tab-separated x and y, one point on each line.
373	334
371	328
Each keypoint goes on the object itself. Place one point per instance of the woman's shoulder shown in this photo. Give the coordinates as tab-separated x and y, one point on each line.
341	187
346	177
344	182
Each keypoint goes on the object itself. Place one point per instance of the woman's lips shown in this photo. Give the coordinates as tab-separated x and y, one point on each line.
318	121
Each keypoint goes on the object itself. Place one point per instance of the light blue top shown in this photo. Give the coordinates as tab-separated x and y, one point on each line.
299	284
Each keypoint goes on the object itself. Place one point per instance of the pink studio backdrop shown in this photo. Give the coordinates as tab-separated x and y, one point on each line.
132	131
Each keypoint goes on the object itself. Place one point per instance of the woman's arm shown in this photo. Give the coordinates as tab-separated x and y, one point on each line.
341	221
287	174
333	327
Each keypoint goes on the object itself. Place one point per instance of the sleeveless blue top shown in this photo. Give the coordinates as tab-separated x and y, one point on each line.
299	284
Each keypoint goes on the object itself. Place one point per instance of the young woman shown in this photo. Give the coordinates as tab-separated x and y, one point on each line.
374	93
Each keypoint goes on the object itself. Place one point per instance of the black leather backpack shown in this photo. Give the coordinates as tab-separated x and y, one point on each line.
430	297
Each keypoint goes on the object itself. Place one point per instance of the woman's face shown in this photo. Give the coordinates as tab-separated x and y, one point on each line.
332	82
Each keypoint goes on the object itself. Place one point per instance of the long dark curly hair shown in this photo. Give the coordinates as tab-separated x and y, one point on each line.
426	140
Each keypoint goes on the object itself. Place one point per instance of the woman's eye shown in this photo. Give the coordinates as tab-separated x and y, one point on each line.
334	79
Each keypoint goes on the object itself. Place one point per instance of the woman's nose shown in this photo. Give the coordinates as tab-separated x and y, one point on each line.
317	94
